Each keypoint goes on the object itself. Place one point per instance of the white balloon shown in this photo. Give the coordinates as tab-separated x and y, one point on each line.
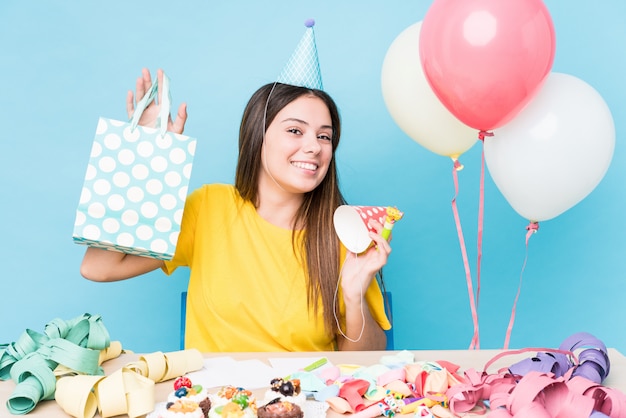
555	151
414	106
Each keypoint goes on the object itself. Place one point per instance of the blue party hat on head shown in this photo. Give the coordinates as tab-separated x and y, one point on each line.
303	68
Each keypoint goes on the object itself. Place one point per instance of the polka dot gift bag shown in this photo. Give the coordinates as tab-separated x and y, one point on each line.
136	184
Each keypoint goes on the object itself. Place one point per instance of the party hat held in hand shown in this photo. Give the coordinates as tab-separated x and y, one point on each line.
351	224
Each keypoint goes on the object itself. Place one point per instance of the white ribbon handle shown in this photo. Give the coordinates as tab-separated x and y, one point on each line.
164	113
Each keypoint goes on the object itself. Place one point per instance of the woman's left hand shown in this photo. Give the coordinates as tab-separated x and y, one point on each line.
358	270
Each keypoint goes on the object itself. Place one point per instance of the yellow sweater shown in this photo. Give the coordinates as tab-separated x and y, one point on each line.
247	290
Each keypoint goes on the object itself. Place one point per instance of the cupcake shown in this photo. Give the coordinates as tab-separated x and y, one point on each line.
280	409
233	402
185	390
182	408
285	390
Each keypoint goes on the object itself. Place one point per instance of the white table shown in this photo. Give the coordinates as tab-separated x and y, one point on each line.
464	358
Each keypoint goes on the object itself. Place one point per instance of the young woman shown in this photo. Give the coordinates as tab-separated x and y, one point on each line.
268	272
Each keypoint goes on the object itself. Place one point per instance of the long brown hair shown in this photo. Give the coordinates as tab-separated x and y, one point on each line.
320	244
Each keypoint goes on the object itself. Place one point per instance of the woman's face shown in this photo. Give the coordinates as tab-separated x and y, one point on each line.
298	146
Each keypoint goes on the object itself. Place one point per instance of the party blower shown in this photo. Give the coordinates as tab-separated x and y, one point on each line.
351	224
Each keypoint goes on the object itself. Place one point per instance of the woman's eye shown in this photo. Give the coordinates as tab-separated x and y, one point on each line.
294	131
325	137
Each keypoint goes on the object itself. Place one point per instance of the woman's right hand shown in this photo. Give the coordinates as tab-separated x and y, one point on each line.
150	114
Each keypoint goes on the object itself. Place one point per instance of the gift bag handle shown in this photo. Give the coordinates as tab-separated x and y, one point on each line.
164	113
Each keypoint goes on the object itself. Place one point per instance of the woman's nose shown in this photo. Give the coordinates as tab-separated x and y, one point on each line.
311	144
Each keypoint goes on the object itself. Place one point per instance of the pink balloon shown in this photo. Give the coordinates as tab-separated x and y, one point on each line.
486	59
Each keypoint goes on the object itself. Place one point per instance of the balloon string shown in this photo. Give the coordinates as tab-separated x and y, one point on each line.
479	239
531	228
475	343
481	215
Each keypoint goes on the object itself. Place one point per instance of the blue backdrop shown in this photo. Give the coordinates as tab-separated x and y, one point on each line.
65	63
